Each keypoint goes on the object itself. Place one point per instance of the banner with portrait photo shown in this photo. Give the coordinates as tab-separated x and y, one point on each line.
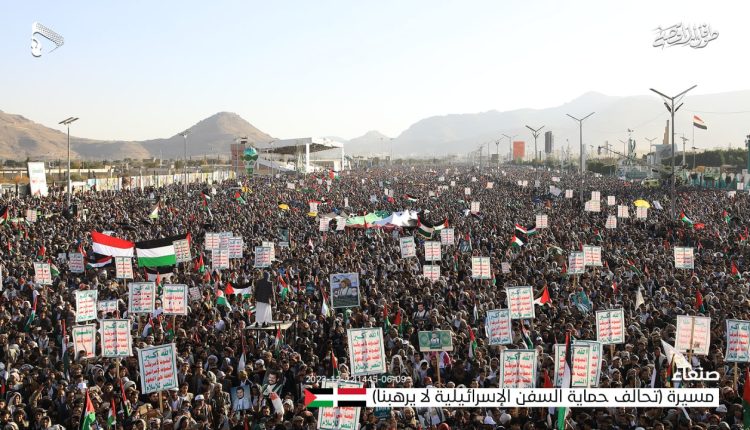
344	290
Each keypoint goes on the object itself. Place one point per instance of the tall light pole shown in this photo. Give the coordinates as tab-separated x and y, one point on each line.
670	107
684	139
497	152
535	133
510	146
184	135
66	123
580	138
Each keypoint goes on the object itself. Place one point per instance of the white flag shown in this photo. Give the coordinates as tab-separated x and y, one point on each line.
639	298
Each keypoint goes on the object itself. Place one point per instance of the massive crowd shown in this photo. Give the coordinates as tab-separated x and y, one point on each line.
44	387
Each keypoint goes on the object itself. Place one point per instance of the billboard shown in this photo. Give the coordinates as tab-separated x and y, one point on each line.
549	142
519	149
37	179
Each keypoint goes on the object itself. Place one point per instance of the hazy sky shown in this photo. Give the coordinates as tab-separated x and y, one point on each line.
145	69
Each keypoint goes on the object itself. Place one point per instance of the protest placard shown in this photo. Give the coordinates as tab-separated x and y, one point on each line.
568	194
541	221
123	267
576	263
505	267
42	273
182	251
432	250
593	206
498	327
520	302
270	244
290	185
86	305
623	212
490	185
195	294
610	326
313	207
738	341
340	418
524	184
641	212
683	258
116	340
340	223
224	237
236	246
158	365
141	297
366	351
447	237
324	224
262	256
610	200
740	186
107	306
592	255
611	222
435	340
467	191
475	207
344	290
407	247
581	357
595	360
596	196
75	262
84	340
31	215
693	333
174	299
220	258
453	183
555	179
431	271
212	241
518	368
480	268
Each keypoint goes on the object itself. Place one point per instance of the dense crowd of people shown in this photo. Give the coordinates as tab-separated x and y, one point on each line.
230	376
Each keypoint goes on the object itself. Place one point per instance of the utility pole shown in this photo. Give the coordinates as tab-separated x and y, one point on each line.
535	133
580	138
497	152
67	122
684	139
510	146
672	109
694	148
747	142
184	135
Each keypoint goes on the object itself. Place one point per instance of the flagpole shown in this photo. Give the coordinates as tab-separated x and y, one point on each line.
692	333
735	376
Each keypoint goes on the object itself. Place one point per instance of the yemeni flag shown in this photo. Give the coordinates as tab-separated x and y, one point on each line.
565	383
698	123
735	271
112	415
4	213
238	197
157	252
221	300
515	241
110	245
410	198
746	400
699	302
96	261
685	219
472	343
89	415
544	299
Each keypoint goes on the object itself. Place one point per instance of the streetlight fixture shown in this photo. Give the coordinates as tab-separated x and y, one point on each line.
510	146
184	135
672	109
580	138
497	152
535	133
66	123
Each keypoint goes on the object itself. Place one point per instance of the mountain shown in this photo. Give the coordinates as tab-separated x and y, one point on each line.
21	138
645	114
372	142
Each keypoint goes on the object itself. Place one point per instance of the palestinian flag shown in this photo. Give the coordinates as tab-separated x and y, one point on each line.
221	300
53	270
726	216
239	199
4	213
32	315
544	299
124	402
699	302
112	415
472	343
110	245
158	252
156	274
515	241
154	213
426	229
565	383
333	174
199	266
205	199
386	320
96	261
746	400
525	337
685	219
89	415
735	271
697	122
410	198
521	228
244	292
631	266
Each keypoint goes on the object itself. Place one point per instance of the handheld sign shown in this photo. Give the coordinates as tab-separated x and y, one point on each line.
107	306
236	247
480	268
520	302
596	195
141	297
158	366
498	327
447	237
344	290
610	326
592	255
431	272
366	351
123	267
263	256
407	247
593	206
475	207
610	200
182	251
541	221
116	339
576	263
623	212
86	305
693	333
75	262
432	250
738	341
436	340
518	368
467	191
641	212
611	222
683	258
84	340
174	299
43	273
220	258
212	241
568	194
595	360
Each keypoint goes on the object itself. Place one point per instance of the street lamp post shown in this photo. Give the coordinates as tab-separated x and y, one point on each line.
66	123
580	138
535	133
670	107
510	146
184	135
497	152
